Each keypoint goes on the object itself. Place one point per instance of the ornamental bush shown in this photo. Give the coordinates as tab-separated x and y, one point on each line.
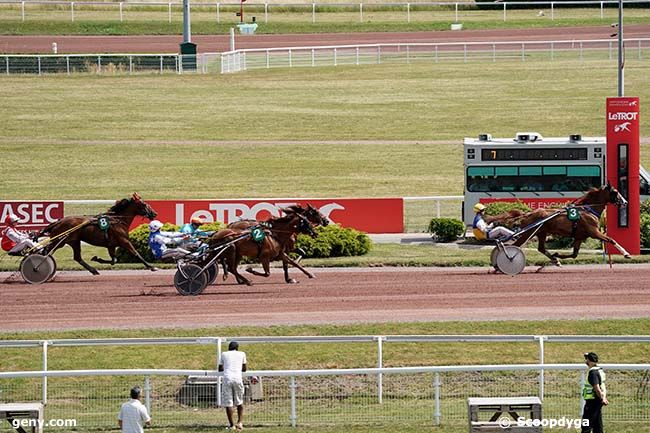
499	207
335	241
139	237
446	229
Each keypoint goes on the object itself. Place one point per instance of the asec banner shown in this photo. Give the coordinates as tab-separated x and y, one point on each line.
31	214
372	215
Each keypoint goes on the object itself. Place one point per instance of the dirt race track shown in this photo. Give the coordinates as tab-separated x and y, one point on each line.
141	299
220	43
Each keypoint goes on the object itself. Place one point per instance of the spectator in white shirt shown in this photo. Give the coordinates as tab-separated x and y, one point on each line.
233	363
133	414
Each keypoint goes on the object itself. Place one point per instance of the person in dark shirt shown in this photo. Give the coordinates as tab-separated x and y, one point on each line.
595	394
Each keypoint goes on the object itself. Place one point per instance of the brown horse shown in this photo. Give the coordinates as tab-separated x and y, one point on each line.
87	229
280	239
589	207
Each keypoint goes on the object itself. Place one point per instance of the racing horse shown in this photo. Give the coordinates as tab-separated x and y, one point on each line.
110	230
589	208
280	240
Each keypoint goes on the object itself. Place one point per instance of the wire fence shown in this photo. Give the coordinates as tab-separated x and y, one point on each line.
421	396
313	12
464	52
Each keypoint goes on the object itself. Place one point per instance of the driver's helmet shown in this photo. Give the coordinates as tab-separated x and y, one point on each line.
479	207
196	220
12	219
155	225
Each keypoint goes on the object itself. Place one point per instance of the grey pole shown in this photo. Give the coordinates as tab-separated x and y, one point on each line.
621	53
187	35
232	39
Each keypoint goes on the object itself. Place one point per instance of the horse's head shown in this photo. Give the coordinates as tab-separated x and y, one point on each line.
613	196
315	217
305	226
133	206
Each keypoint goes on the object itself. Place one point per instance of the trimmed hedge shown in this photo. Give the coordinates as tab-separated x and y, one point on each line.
499	207
139	237
446	229
335	241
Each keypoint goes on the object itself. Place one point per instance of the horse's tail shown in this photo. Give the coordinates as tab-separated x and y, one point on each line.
49	229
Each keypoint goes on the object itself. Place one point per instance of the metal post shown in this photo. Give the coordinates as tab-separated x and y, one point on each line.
621	56
130	65
67	64
408	12
45	344
22	10
219	342
357	56
161	65
541	371
121	11
292	391
147	393
232	39
72	11
290	59
456	12
582	385
99	64
504	11
7	61
187	33
218	12
39	65
379	54
313	58
313	13
552	12
380	364
360	12
601	11
266	12
335	62
169	12
268	60
436	392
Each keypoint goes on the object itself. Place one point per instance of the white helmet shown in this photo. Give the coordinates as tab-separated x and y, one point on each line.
12	219
155	225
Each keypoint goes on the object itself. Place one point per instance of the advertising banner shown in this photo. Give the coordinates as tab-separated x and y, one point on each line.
534	203
33	214
371	215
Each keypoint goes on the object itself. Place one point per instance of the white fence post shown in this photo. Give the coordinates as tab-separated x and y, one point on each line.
408	12
541	339
218	12
357	58
266	12
130	65
601	10
455	12
72	11
169	12
44	390
39	65
582	385
121	11
7	62
360	12
147	393
292	391
552	12
313	13
67	64
22	10
290	59
335	62
436	393
504	11
380	364
219	343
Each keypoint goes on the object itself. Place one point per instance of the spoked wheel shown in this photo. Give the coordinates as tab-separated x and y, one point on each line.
190	281
212	272
511	260
37	268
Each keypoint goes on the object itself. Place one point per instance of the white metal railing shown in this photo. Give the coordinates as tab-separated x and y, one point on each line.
333	396
335	55
311	10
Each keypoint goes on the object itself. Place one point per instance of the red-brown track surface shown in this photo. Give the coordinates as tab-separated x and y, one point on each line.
219	43
142	299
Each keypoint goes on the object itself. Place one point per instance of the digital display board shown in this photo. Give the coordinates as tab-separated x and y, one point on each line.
535	154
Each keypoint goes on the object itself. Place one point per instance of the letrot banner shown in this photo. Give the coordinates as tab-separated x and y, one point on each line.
32	214
371	215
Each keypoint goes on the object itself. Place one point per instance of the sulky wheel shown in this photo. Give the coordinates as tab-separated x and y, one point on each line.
212	272
493	257
511	260
190	281
37	269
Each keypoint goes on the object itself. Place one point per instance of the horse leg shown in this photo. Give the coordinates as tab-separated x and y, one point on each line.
112	261
607	239
576	250
541	247
239	277
76	248
295	264
126	244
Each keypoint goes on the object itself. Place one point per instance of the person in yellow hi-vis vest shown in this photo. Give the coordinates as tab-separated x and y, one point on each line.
595	395
483	230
